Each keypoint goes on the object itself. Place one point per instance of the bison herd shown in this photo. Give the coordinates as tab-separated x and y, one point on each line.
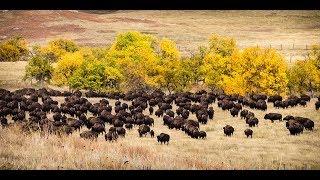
30	109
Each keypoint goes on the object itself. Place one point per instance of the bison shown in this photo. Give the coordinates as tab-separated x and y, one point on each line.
317	104
128	126
228	130
295	128
152	133
273	116
202	134
111	136
309	125
89	135
163	138
143	129
248	132
234	112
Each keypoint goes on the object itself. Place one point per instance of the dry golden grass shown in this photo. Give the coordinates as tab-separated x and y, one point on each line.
270	148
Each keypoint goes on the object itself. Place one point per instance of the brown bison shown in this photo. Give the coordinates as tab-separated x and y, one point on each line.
202	134
111	136
89	135
273	116
228	130
317	104
143	130
152	133
163	138
248	132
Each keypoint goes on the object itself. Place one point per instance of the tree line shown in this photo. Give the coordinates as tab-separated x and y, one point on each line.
137	61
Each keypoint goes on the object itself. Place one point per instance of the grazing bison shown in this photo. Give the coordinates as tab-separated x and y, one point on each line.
193	123
317	104
99	128
151	110
4	122
234	112
118	123
273	116
248	132
152	133
295	128
303	103
89	135
121	131
301	120
163	138
305	97
210	112
244	113
274	98
288	117
228	130
309	125
253	121
202	134
169	113
159	112
111	136
143	130
128	126
291	122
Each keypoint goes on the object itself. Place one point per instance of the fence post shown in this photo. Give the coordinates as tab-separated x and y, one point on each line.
270	46
306	47
290	58
281	46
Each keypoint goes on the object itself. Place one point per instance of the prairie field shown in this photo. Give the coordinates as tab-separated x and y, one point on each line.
270	148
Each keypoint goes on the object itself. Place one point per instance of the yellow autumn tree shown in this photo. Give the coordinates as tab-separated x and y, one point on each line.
14	49
264	71
304	75
254	70
58	47
224	46
135	56
66	66
169	67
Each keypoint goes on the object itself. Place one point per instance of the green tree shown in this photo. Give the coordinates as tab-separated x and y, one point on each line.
39	68
95	76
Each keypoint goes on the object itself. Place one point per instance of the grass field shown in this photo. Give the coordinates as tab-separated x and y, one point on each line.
270	148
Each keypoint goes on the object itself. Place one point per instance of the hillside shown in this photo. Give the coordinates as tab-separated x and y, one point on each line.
294	30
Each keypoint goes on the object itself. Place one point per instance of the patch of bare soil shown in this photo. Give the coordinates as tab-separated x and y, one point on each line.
32	24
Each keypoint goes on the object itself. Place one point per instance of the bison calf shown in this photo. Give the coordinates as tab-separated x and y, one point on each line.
202	134
248	132
152	133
